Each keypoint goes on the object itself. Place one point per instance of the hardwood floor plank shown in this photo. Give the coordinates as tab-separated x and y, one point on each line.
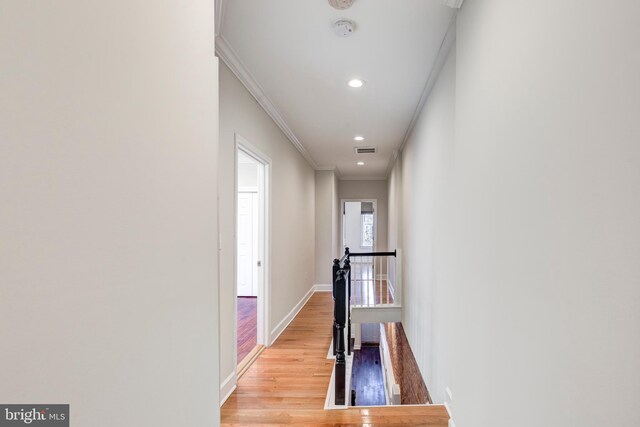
247	326
366	376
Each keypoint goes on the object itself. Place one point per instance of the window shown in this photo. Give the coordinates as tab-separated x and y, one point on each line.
366	235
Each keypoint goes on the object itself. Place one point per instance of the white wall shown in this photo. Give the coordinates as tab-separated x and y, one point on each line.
420	193
337	214
525	167
374	189
326	226
292	210
108	253
394	214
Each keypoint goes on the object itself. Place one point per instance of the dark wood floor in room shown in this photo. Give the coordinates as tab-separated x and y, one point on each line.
287	384
366	377
247	325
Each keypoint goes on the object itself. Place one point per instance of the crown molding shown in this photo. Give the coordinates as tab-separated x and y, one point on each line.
333	169
446	45
392	162
229	57
454	4
219	20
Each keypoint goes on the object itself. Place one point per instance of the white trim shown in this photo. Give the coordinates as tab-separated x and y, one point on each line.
387	398
446	406
322	288
376	313
448	41
330	354
227	387
219	19
264	252
394	157
390	383
230	57
275	333
357	331
454	4
451	422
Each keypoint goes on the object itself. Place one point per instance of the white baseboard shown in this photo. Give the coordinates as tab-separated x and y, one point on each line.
275	333
323	288
451	423
227	387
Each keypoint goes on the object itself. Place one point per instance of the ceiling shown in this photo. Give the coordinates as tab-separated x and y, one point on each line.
288	56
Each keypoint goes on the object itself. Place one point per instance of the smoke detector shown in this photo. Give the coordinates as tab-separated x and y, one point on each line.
341	4
344	27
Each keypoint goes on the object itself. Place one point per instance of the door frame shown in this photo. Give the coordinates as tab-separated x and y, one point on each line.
375	223
264	244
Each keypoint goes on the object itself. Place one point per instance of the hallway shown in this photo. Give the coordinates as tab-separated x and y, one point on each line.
288	383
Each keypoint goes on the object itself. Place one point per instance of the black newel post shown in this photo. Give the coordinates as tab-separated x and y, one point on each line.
340	312
347	269
334	275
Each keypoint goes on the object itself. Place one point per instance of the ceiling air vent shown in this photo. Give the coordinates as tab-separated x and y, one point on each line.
365	150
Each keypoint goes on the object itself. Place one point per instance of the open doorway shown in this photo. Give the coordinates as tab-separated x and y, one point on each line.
359	235
252	201
359	225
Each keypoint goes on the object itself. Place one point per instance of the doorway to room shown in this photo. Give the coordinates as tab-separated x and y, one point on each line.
359	235
252	201
359	225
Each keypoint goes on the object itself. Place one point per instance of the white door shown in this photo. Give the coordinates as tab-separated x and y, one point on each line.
351	224
248	244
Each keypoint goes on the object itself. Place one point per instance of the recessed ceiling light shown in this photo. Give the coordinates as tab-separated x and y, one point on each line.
360	163
356	83
359	138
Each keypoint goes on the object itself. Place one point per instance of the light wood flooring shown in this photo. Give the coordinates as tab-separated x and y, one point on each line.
287	384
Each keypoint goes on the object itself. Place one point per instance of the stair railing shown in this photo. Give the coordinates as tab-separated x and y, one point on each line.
341	274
